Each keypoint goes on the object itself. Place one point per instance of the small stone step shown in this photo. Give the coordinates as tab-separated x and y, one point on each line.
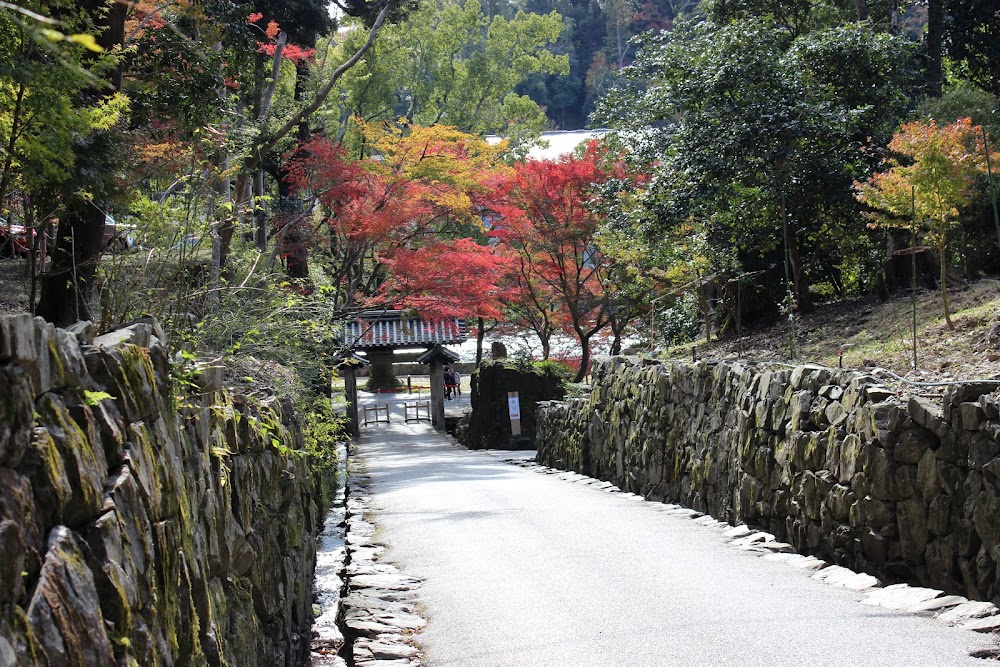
988	624
842	577
935	604
737	531
751	538
382	650
967	611
805	562
900	597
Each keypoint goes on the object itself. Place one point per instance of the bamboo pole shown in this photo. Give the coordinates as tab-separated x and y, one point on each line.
913	271
993	190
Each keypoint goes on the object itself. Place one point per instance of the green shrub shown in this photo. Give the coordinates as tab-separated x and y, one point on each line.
322	429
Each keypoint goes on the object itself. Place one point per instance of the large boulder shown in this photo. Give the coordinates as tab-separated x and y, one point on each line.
489	423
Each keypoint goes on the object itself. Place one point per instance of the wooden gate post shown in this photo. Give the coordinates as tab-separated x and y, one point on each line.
348	369
436	358
437	393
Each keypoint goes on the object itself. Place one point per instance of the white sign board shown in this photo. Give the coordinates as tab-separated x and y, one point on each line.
514	406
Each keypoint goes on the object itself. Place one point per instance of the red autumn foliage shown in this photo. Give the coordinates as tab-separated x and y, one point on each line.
447	279
293	52
397	226
547	224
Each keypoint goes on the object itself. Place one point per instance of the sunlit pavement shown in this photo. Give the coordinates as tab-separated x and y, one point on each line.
397	400
526	569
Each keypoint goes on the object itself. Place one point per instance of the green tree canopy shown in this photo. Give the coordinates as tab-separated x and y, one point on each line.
743	123
450	64
972	41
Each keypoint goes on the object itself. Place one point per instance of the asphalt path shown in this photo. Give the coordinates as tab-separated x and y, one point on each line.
453	407
523	569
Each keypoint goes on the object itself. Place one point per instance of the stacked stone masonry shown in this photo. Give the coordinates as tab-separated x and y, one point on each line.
904	488
139	527
488	425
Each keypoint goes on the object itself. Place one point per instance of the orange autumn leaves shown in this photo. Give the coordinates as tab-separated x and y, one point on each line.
435	220
936	173
404	223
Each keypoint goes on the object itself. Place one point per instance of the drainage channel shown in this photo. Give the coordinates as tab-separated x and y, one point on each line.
366	607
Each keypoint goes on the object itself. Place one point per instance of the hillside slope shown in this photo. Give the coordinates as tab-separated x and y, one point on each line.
874	334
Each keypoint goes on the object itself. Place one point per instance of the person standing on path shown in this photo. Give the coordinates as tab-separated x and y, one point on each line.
449	383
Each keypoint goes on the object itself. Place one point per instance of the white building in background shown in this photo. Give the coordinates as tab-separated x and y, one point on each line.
557	143
562	142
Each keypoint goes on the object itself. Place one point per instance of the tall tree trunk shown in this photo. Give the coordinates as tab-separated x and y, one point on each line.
584	356
862	7
705	310
301	76
616	344
893	17
803	302
296	250
260	215
942	258
8	162
480	337
66	288
40	253
935	33
241	203
67	285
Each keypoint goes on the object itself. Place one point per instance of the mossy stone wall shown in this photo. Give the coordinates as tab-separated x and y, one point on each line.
147	528
488	426
905	488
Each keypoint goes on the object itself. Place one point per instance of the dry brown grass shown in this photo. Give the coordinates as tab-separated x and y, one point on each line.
879	334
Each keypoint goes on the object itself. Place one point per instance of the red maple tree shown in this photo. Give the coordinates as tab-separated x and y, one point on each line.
548	224
397	229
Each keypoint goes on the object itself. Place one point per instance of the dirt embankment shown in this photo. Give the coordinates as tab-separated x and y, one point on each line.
866	333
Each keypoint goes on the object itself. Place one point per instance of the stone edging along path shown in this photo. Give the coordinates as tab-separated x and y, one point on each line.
366	613
376	605
328	579
953	610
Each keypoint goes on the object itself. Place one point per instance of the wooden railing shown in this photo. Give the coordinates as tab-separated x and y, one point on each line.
374	413
412	410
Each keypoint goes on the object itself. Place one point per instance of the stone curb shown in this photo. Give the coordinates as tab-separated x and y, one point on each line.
328	580
953	610
379	609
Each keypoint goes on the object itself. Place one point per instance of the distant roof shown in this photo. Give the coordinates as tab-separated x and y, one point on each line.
351	359
389	329
560	142
438	352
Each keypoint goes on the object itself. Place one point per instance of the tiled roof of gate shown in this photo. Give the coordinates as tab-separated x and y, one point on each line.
385	329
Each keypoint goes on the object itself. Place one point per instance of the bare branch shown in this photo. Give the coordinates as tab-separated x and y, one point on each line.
265	103
27	12
261	149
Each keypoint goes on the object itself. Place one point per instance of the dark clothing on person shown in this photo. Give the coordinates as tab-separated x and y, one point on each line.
449	384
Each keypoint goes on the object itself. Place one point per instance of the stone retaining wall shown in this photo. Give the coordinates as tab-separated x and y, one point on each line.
907	489
488	425
138	527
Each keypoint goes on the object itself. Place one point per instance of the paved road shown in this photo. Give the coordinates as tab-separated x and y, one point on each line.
452	407
527	570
